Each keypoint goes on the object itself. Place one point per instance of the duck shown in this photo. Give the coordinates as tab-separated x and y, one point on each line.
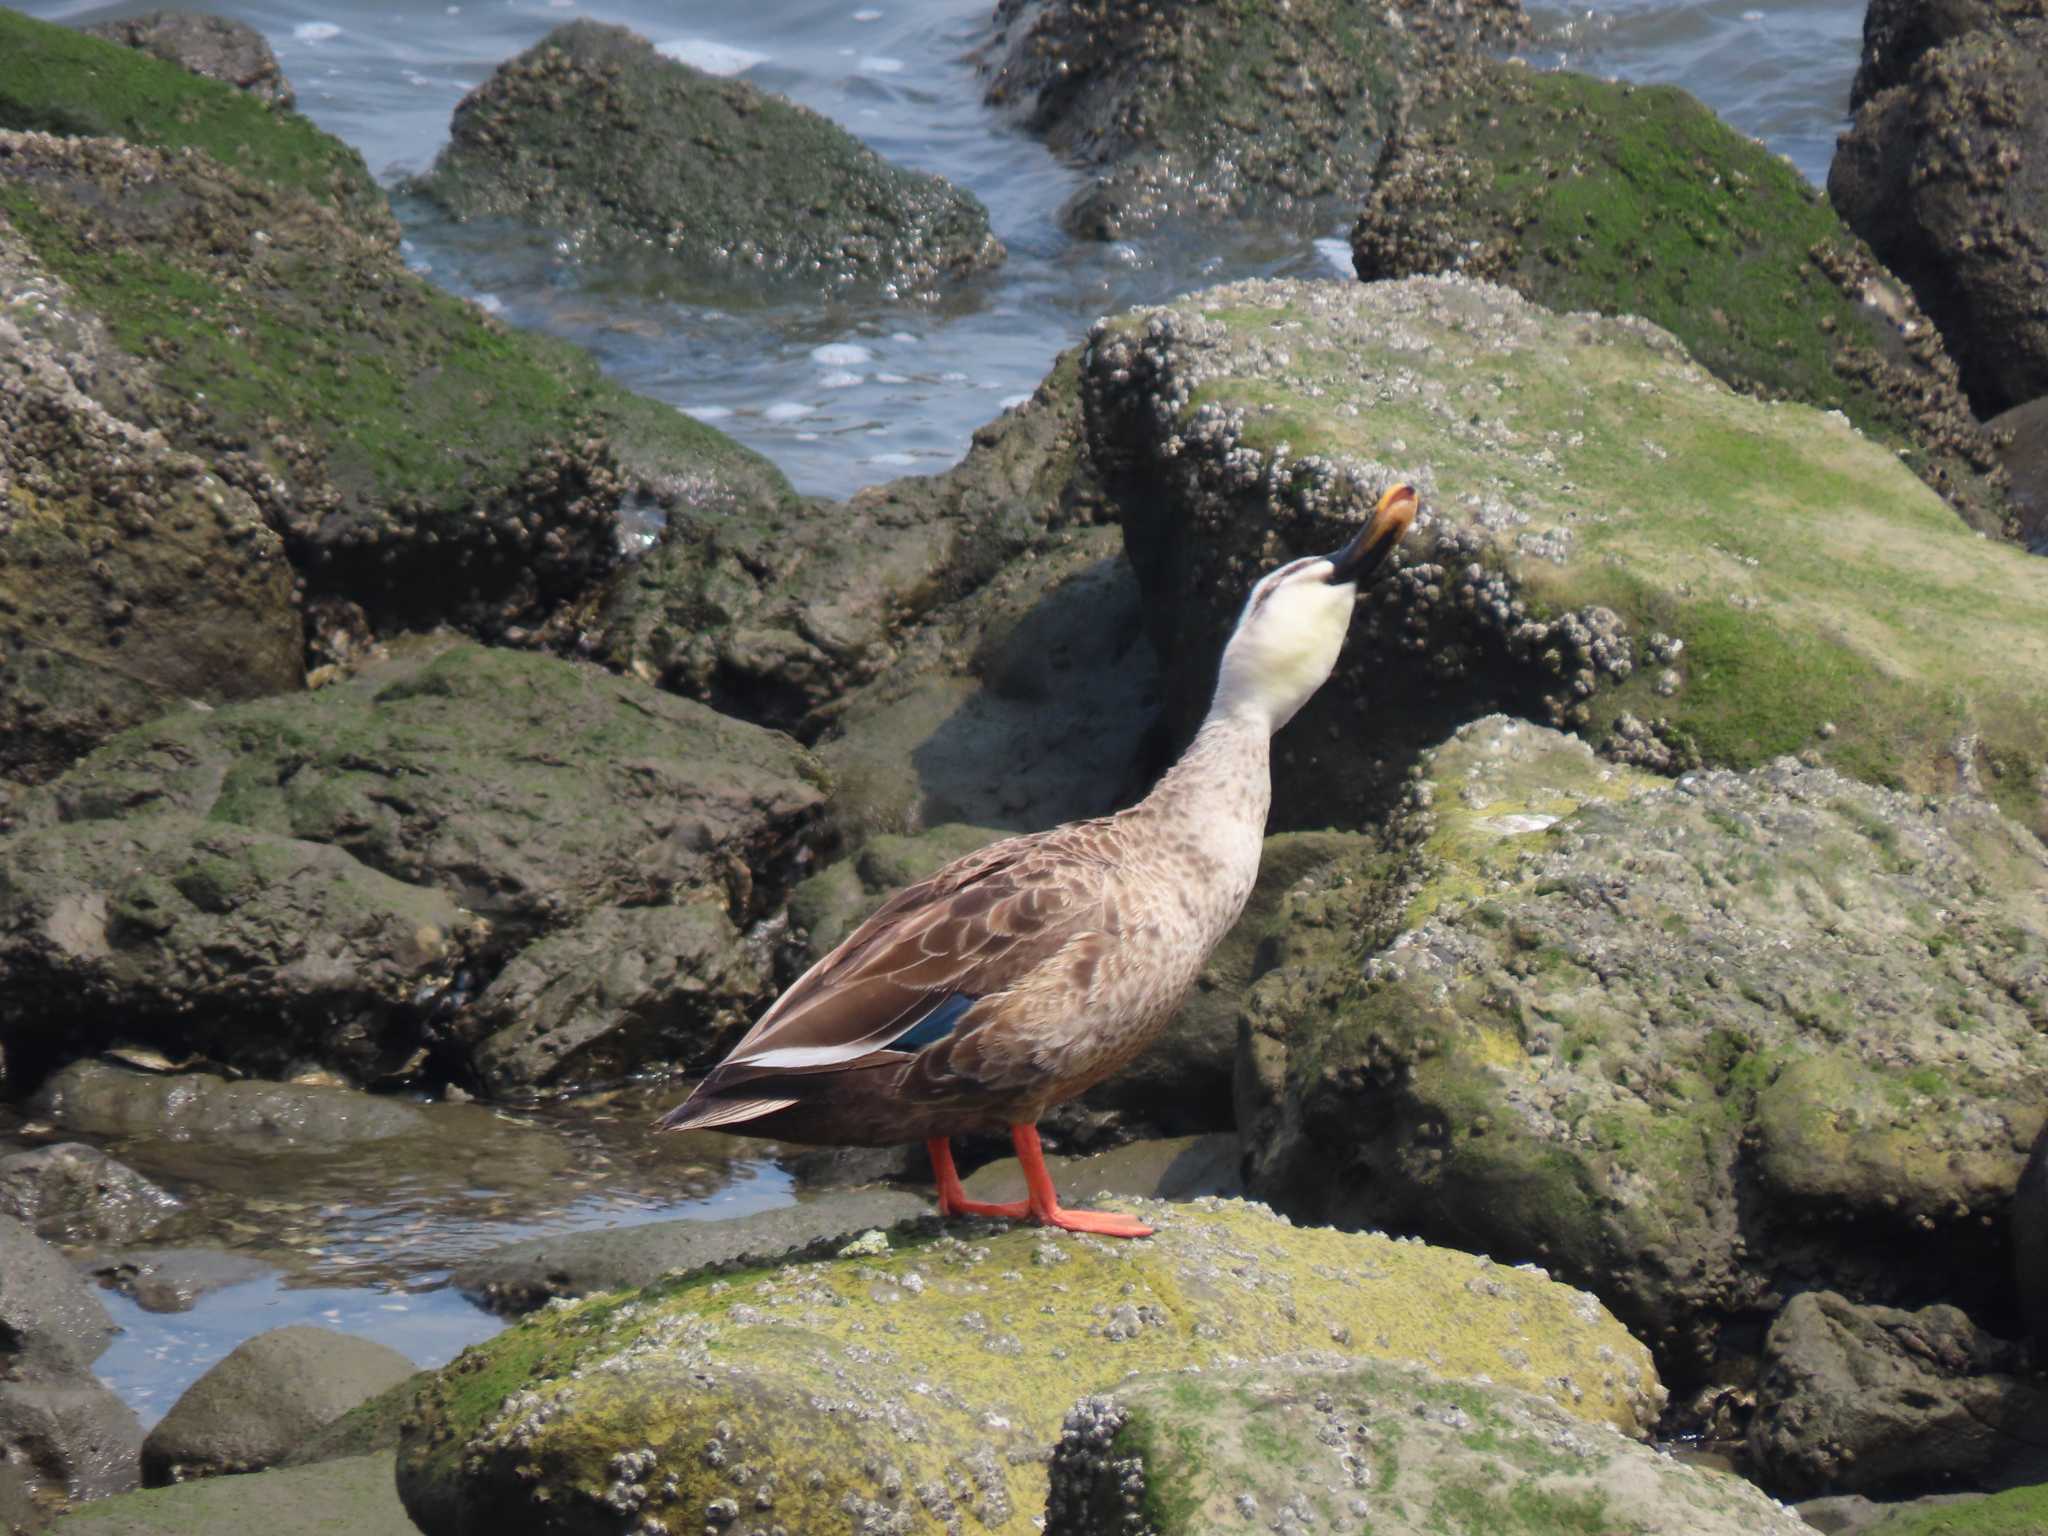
1025	973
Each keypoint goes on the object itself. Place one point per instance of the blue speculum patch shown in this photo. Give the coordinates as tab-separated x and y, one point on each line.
936	1025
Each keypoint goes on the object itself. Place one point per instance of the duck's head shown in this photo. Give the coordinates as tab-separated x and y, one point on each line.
1286	642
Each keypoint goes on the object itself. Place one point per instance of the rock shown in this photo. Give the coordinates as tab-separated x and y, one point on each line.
1210	110
70	1437
1328	1445
1024	705
173	1279
771	612
55	80
369	1428
624	988
353	1496
272	831
95	1098
1968	230
817	1400
1585	195
1579	560
73	1193
1873	1399
1173	1168
522	1276
217	47
593	132
1897	32
131	577
1693	1047
2022	437
2030	1246
51	1324
223	330
2014	1512
265	1396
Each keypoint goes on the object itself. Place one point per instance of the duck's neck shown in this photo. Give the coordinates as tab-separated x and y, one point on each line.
1224	779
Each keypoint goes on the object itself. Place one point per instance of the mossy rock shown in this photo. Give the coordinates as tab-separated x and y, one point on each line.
1260	113
533	792
1376	1449
1693	1046
132	579
56	80
289	348
218	47
351	1496
772	610
2015	1512
910	1389
1611	541
1581	194
594	132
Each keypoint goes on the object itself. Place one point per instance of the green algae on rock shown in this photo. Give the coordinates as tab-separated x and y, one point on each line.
61	81
2013	1512
1945	176
911	1390
1612	541
1243	111
419	457
350	1496
593	131
1692	1046
1374	1448
1586	195
132	579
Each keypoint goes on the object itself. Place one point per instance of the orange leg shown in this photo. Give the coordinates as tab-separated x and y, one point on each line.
953	1199
1045	1201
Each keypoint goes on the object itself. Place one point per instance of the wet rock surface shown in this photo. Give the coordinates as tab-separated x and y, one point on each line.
1580	558
703	1396
74	1193
218	47
1583	194
1244	112
1873	1398
50	1321
1696	1047
267	1396
1326	1445
330	837
1945	177
522	1276
594	132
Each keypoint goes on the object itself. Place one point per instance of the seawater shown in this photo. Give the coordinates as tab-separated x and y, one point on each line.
846	395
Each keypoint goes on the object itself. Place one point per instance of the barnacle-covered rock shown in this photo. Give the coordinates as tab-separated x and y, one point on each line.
1612	541
1302	1446
594	132
915	1389
1695	1046
1585	194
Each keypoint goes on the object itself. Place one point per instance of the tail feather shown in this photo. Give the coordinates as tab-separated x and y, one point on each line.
701	1113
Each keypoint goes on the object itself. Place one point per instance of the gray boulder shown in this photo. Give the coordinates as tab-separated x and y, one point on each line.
1969	231
1695	1046
73	1193
98	1098
593	132
218	47
51	1324
1872	1399
174	1279
266	1396
70	1437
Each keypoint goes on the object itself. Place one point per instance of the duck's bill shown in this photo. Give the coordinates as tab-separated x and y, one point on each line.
1364	557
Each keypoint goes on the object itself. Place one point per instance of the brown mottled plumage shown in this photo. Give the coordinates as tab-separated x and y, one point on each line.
1027	972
